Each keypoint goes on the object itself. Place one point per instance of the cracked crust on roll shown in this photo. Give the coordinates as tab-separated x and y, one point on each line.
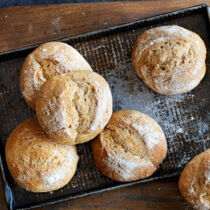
74	107
130	147
194	182
46	61
35	162
169	59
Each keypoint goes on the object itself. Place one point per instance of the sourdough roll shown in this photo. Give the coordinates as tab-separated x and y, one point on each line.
169	59
194	182
46	61
35	162
130	147
74	107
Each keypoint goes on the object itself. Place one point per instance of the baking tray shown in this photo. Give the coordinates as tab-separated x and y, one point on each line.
184	118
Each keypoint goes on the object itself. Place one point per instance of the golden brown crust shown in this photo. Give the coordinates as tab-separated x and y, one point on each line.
74	107
35	162
169	59
46	61
130	147
194	182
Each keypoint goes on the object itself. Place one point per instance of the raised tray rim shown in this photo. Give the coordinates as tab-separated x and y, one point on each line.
108	29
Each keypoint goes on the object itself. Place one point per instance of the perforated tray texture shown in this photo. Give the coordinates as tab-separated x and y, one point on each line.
184	118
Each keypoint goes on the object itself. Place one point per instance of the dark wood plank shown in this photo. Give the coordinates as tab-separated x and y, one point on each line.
159	195
3	204
30	25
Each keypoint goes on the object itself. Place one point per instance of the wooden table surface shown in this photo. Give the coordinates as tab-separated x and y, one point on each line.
32	25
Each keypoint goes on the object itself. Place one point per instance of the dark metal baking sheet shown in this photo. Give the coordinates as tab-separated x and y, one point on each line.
184	118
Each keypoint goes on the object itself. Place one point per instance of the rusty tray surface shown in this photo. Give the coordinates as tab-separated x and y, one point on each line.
184	118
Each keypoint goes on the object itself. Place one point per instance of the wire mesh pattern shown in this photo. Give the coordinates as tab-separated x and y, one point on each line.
184	118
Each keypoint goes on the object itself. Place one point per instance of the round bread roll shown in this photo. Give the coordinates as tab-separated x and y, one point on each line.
74	107
194	182
35	162
169	59
130	147
46	61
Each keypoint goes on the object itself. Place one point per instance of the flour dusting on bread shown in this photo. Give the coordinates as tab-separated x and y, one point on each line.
35	162
59	173
148	135
191	189
46	61
194	181
170	59
73	108
125	166
130	147
207	174
103	103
